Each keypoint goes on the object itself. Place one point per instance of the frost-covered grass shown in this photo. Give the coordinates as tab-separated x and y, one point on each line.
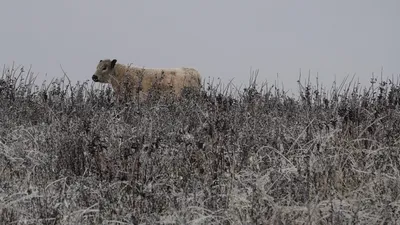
73	155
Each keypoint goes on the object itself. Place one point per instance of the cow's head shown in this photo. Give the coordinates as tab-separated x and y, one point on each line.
104	71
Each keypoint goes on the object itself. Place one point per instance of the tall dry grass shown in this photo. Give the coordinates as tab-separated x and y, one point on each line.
72	154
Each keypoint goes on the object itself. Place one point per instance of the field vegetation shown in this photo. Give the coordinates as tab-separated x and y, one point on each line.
75	154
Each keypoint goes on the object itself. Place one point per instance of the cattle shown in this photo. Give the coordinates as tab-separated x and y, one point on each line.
132	79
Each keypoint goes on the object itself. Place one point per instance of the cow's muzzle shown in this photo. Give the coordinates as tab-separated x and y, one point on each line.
95	78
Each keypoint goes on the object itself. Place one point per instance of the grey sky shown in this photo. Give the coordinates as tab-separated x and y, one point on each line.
220	38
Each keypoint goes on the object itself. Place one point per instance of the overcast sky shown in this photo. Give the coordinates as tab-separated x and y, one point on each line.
220	38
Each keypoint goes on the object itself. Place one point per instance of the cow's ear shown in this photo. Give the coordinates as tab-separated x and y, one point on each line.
113	62
101	60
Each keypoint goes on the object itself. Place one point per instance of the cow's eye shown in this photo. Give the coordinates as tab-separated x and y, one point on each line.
105	68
